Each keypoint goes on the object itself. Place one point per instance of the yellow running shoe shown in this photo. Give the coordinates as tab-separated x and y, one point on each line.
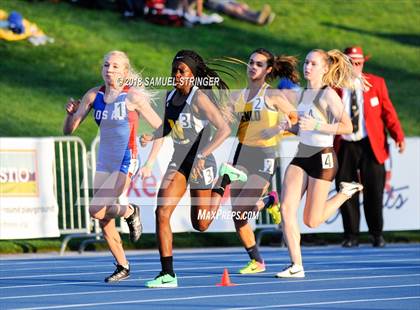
271	203
275	214
253	267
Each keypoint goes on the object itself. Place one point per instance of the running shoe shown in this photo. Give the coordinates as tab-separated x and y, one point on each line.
233	173
292	271
271	203
275	213
163	280
349	189
119	274
134	224
253	267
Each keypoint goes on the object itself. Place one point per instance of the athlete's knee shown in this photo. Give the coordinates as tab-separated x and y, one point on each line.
103	223
239	222
312	222
163	213
285	210
95	212
200	226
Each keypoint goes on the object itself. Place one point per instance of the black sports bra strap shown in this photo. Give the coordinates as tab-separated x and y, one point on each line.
327	114
319	95
301	96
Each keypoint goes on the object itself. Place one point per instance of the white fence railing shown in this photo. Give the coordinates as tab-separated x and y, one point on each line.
74	171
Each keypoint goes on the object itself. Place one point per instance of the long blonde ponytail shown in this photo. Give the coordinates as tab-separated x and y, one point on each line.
340	69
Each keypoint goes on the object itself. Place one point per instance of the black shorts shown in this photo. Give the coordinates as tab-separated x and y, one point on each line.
183	163
256	160
317	162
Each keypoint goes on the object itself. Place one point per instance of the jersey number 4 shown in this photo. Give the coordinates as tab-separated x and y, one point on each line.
327	161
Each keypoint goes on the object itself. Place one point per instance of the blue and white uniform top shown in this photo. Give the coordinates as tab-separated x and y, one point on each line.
118	148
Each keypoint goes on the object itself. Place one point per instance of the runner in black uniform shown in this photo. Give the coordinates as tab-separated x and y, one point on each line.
189	113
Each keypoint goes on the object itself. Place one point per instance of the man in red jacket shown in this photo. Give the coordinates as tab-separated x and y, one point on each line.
361	155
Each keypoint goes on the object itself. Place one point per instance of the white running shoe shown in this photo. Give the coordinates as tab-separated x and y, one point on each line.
292	271
349	189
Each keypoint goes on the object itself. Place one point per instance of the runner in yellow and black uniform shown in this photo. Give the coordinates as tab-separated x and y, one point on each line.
258	109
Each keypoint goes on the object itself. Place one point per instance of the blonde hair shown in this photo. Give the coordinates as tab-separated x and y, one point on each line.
340	69
133	78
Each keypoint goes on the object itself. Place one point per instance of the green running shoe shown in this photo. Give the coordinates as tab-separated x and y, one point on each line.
163	280
253	267
233	173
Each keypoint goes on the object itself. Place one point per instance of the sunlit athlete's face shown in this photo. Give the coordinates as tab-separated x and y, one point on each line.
183	76
257	67
114	71
314	67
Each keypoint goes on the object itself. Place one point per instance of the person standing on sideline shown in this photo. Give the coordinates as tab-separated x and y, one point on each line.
116	109
362	153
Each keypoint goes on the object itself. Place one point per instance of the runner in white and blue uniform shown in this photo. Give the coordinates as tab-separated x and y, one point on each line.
118	149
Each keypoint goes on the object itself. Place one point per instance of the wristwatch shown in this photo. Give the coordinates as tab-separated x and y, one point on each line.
201	156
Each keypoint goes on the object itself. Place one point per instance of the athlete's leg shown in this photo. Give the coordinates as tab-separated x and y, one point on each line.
172	189
243	208
107	188
244	201
204	206
113	239
294	186
103	207
317	208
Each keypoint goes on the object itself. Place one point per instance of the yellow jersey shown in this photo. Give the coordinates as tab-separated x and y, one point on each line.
255	116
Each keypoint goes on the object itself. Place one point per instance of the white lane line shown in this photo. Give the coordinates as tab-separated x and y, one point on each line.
49	275
88	263
324	251
205	286
328	303
93	264
210	276
215	296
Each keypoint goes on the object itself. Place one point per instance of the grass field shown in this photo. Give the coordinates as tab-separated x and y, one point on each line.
36	81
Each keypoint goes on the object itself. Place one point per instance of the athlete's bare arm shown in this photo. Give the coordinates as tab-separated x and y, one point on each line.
210	111
77	110
139	101
334	104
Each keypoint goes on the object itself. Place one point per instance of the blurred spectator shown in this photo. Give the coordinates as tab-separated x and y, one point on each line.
242	11
361	154
132	8
286	83
193	13
13	27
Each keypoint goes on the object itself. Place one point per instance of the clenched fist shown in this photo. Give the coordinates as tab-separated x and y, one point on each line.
72	106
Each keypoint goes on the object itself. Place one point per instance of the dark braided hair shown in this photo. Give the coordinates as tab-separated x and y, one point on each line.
283	66
201	70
